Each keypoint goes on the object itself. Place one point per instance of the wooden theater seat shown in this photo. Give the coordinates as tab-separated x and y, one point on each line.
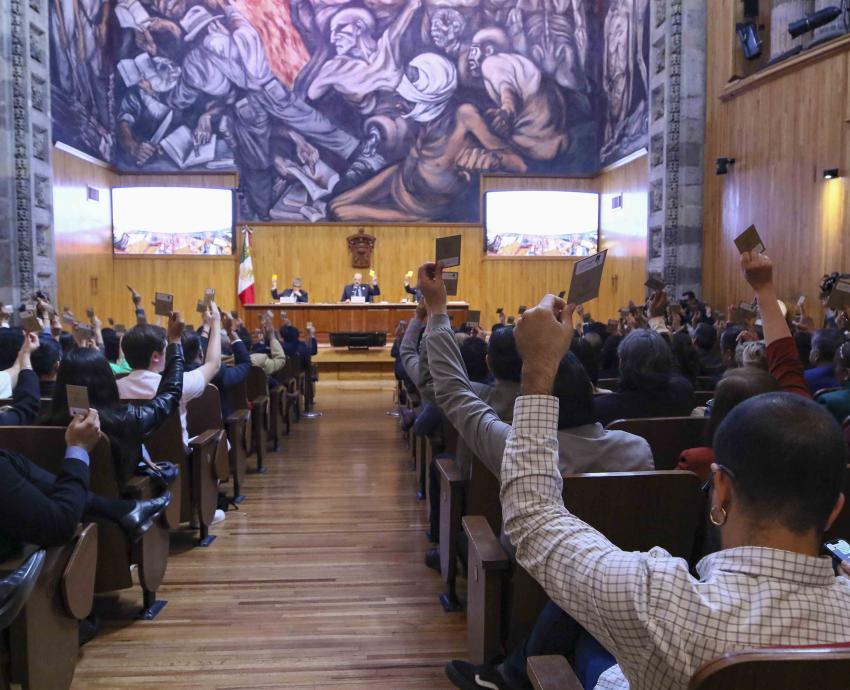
660	508
45	446
43	639
199	486
204	413
667	436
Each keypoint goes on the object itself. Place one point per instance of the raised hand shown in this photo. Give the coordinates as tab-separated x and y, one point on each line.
175	327
432	287
758	270
84	431
543	335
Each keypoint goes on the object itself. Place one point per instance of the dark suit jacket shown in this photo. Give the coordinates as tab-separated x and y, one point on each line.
286	293
367	291
676	401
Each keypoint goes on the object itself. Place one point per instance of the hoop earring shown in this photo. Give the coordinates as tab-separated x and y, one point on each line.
714	520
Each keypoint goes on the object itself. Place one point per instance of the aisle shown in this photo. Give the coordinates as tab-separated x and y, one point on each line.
316	582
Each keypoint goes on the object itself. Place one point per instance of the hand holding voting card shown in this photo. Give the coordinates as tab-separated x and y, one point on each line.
655	284
30	323
587	276
749	241
201	308
839	297
209	295
163	304
450	279
448	251
745	311
78	399
473	317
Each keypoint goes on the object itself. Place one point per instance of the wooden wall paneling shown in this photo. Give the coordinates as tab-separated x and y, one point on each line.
783	133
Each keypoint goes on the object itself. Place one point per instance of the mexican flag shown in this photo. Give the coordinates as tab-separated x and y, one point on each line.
246	270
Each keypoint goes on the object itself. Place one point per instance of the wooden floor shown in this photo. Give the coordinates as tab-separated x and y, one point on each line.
316	582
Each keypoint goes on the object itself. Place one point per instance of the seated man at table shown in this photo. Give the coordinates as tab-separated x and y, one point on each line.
358	289
295	291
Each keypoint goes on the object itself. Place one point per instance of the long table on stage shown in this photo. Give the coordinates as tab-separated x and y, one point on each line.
347	318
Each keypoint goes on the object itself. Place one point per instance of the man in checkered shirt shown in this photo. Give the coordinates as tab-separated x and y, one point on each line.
780	465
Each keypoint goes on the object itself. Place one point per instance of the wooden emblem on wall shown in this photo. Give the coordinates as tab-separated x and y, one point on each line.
361	246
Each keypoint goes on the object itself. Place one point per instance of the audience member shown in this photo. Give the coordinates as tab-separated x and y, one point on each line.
648	387
838	402
473	351
825	344
686	356
45	363
126	424
708	351
145	350
25	396
752	354
37	507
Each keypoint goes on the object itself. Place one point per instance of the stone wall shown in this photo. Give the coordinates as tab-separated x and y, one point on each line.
676	136
27	260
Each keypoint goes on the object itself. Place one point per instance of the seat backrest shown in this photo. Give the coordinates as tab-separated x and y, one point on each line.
608	384
257	383
45	446
237	395
639	510
705	383
204	412
166	443
701	398
667	436
784	668
482	496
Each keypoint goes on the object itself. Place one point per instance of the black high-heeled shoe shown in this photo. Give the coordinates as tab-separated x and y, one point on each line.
141	518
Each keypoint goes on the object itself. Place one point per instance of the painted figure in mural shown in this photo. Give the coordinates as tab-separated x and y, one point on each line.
529	111
624	73
453	143
79	33
226	60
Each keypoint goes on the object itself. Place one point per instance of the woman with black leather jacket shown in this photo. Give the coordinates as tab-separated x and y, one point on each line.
126	424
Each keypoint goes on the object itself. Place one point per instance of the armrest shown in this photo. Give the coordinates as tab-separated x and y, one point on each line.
208	437
552	673
238	416
78	577
449	470
485	544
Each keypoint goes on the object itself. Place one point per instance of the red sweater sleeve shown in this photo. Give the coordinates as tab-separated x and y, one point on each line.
783	363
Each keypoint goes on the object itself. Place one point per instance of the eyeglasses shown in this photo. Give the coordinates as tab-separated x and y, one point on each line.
709	484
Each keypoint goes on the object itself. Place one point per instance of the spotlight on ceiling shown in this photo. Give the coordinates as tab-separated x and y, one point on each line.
830	173
721	167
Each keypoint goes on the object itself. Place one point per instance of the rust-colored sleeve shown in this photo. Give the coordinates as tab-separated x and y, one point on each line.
783	363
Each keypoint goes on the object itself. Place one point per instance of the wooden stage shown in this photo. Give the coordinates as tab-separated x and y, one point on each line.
315	583
381	317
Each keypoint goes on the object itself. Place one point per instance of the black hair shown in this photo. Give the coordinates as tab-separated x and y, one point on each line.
67	342
689	294
686	357
474	353
46	357
826	342
787	458
589	357
610	359
574	392
504	359
191	342
729	337
11	340
83	366
141	342
705	336
290	334
803	340
736	386
111	344
646	361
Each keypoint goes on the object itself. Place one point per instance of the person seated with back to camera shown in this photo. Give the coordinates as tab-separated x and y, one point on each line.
635	616
825	344
358	289
18	381
838	401
295	291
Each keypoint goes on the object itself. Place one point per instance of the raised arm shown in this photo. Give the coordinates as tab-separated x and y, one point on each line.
399	25
606	590
475	421
409	350
783	359
212	362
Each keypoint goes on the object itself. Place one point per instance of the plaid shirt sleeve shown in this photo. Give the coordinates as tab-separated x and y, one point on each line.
603	588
